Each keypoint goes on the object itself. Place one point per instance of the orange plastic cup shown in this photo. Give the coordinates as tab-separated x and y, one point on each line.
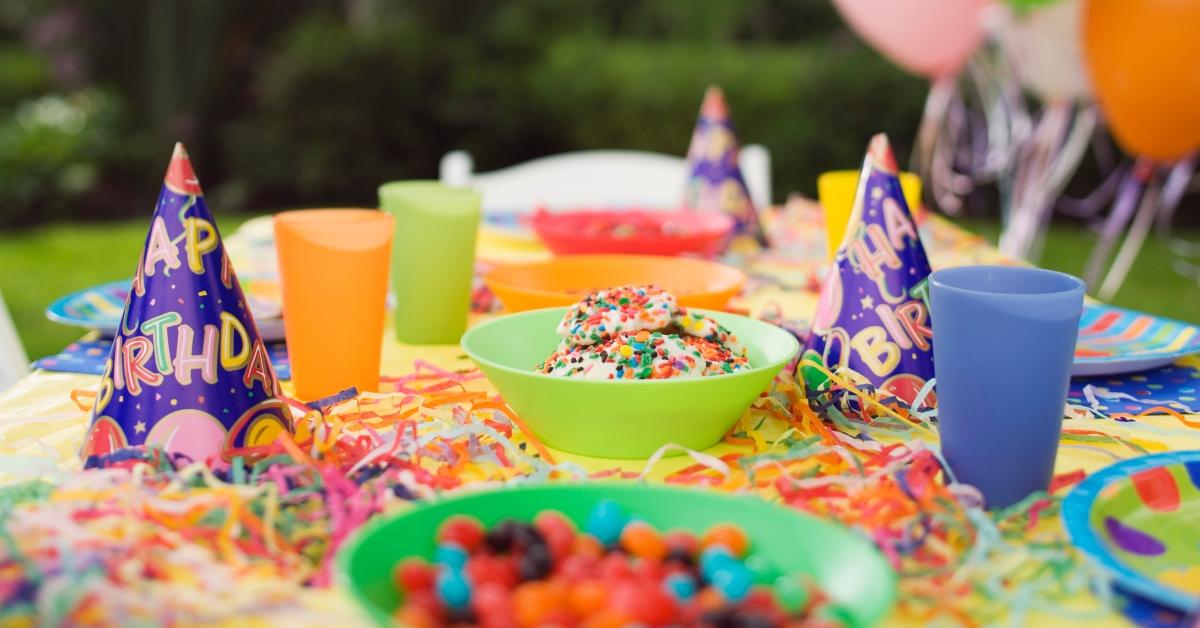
333	271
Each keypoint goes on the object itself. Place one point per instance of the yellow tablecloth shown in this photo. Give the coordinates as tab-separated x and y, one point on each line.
41	427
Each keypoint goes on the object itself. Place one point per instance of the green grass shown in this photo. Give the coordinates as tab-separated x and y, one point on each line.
1152	285
42	264
39	265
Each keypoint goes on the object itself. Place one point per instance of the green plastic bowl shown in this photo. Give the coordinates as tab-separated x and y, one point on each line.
621	418
844	565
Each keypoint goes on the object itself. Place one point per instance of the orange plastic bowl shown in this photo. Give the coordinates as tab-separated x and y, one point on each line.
564	280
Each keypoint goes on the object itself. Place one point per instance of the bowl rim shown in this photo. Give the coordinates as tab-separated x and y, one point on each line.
737	277
353	544
750	372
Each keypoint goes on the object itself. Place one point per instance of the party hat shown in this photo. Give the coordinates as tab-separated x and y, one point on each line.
187	371
872	321
715	180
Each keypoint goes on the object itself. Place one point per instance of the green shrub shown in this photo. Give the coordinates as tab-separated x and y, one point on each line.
339	110
51	152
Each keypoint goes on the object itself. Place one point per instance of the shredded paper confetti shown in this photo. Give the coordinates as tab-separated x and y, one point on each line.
141	537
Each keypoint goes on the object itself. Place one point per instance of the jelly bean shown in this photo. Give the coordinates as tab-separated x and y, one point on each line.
727	535
453	588
683	541
460	616
535	563
651	606
534	602
606	521
713	559
679	558
587	545
606	618
621	571
427	602
614	567
641	540
587	597
761	599
682	586
733	581
414	574
464	531
576	567
491	599
649	570
558	531
415	617
754	620
502	537
499	570
526	536
450	555
764	572
790	593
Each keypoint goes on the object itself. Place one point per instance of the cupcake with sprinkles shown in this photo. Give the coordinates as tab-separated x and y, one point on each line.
640	332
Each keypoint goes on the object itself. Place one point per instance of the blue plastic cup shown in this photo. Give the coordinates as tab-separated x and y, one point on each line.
1003	343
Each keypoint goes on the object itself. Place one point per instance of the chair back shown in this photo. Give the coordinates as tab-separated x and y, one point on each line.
595	178
14	364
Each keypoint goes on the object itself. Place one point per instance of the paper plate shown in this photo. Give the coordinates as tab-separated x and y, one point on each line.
1138	518
628	419
844	565
100	308
1114	340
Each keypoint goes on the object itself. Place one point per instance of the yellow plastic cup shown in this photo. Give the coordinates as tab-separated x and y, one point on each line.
333	272
835	191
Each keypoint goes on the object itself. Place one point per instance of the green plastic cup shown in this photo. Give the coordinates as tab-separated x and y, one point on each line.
626	419
433	258
843	564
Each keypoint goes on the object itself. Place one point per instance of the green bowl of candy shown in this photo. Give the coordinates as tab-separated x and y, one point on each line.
622	418
797	559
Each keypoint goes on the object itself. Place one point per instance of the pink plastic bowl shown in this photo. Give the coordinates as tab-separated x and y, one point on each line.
633	231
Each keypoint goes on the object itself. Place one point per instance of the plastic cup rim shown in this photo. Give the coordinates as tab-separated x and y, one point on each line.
425	186
331	215
1071	284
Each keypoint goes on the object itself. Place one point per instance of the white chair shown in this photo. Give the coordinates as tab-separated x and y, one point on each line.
595	178
13	362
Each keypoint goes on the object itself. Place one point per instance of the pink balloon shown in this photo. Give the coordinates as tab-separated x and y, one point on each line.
194	433
933	38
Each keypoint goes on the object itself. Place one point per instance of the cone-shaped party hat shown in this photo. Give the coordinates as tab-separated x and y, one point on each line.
715	180
873	315
187	371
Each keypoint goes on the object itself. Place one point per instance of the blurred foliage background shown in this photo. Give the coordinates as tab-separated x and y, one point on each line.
285	103
291	103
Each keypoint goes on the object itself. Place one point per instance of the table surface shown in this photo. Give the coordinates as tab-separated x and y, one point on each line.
41	426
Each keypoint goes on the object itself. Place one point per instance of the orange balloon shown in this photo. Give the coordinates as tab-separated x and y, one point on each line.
1142	57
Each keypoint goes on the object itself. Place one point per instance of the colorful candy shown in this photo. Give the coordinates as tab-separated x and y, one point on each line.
525	575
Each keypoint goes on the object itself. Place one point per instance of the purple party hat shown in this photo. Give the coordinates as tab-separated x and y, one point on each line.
715	180
872	321
187	371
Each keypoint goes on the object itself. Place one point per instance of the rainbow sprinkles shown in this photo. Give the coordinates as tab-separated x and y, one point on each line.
639	333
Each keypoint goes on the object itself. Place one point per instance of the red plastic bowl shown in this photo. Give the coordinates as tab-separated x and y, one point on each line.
633	231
